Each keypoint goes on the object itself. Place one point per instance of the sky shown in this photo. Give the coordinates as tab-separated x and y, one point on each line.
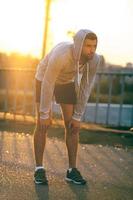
22	25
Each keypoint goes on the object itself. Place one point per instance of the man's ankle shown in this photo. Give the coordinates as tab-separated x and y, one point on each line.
39	167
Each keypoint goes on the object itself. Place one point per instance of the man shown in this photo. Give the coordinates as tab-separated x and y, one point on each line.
59	74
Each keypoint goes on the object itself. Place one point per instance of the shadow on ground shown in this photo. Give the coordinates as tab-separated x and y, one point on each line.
87	136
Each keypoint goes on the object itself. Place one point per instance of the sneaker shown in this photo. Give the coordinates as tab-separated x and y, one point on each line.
75	177
40	177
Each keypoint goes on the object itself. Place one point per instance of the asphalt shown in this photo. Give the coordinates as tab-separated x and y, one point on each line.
108	170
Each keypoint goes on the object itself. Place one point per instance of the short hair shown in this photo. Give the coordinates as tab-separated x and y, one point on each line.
91	36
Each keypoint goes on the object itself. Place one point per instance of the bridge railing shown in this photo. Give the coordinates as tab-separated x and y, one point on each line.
17	96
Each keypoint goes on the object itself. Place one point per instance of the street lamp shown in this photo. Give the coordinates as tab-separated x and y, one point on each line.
45	35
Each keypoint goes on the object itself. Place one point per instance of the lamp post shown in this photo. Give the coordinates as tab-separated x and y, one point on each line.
45	35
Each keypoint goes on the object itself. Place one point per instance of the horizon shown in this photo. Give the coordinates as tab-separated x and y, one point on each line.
18	55
24	33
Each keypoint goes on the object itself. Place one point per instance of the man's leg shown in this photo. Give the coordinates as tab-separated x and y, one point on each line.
39	146
71	139
39	142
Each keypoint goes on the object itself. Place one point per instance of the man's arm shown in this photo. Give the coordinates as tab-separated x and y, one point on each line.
44	92
87	83
84	93
47	88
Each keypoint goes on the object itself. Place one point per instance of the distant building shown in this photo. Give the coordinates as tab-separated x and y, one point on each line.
118	68
129	65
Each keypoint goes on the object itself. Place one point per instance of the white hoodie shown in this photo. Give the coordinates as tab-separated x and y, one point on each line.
61	66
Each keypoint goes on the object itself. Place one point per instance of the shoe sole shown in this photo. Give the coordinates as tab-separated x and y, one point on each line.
71	180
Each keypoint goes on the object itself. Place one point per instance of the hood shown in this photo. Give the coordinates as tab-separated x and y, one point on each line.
78	43
77	49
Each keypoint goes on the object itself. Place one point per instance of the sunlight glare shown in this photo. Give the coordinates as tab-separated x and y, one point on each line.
22	27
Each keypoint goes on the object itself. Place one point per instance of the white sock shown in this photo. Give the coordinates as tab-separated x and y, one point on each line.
39	167
70	169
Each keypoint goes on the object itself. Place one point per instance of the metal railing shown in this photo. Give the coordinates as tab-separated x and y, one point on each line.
17	95
109	104
17	91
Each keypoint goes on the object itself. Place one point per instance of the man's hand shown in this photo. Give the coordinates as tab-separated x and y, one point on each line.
45	124
74	125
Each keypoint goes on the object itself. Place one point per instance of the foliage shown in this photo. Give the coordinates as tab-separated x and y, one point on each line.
15	60
116	92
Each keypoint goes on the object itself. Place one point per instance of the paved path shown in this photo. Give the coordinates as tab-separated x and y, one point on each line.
108	170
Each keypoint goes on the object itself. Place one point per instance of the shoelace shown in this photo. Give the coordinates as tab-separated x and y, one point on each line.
41	173
77	174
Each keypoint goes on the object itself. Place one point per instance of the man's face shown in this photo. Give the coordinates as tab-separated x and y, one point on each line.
88	50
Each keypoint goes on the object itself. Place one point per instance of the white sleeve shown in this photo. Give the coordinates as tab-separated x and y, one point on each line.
48	83
87	83
41	68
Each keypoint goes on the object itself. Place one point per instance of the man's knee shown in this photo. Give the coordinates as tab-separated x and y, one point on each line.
39	130
67	125
75	130
71	129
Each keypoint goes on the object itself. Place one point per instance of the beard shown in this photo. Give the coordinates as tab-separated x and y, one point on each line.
86	58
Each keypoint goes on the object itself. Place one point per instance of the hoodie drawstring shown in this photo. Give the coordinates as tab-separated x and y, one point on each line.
77	81
88	71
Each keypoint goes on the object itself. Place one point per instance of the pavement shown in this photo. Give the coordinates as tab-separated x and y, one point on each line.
108	170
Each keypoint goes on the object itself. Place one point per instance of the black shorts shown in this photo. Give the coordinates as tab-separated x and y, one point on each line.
64	93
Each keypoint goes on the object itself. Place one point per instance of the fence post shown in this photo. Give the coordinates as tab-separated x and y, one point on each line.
109	97
122	82
97	96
